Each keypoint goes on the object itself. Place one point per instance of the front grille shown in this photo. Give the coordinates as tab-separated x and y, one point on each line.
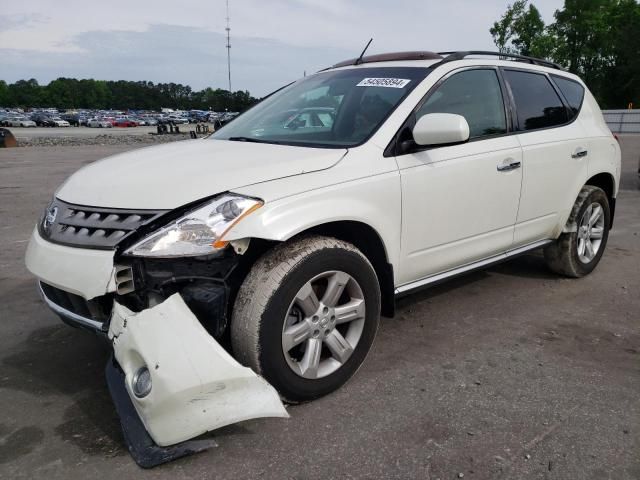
92	227
98	309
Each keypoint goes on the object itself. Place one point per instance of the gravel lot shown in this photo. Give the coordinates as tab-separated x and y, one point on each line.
84	136
40	132
508	373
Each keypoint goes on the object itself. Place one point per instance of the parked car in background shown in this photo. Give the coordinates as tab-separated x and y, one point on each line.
59	122
46	122
124	122
72	118
177	120
222	119
99	123
19	121
42	119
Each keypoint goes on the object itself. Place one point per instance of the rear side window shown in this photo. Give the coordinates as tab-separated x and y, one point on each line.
573	93
537	103
474	94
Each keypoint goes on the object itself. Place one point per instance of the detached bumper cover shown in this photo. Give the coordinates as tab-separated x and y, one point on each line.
143	449
196	385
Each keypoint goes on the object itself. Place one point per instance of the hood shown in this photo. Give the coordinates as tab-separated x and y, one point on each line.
171	175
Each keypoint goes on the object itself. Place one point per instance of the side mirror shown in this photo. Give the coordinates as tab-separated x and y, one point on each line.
441	128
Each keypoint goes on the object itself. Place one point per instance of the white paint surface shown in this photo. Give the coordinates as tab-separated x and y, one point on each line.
83	271
196	385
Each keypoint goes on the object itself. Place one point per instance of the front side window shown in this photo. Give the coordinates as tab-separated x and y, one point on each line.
474	94
537	103
340	108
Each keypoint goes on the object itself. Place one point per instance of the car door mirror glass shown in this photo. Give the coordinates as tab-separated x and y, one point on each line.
440	129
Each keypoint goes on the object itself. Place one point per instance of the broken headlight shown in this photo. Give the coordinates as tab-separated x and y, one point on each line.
199	232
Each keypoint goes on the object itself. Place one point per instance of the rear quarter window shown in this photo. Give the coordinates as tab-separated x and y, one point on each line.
573	93
537	103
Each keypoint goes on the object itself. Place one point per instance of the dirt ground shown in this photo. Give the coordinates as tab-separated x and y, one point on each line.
509	373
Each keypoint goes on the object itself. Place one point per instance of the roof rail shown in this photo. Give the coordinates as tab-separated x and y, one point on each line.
389	57
452	56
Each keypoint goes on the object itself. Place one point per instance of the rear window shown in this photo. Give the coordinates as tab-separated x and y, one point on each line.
537	103
573	93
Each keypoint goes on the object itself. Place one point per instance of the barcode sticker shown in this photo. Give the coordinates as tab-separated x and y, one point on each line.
384	82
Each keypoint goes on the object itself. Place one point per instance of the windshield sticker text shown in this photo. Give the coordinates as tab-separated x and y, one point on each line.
384	82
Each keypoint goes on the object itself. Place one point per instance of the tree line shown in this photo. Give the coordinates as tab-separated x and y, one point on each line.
596	39
599	40
70	93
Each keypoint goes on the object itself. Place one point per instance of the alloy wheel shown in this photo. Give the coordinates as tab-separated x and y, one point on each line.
324	324
590	232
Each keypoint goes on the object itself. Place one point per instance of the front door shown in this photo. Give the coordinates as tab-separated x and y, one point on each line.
460	202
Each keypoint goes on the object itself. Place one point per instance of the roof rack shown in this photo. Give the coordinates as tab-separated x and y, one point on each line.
452	56
389	57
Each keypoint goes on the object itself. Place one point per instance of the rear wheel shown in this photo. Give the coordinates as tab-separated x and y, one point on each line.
577	253
306	316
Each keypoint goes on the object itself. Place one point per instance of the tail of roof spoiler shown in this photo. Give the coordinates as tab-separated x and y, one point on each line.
390	57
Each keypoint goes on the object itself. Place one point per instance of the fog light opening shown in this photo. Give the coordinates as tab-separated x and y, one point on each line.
141	383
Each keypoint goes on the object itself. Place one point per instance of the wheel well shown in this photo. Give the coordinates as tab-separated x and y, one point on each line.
367	240
606	183
603	181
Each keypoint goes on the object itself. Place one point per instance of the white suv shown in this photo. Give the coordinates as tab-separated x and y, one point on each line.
283	236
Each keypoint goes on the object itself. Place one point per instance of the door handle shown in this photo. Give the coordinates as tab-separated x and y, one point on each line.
511	165
579	153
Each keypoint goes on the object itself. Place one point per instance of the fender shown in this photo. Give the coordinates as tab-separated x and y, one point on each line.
374	201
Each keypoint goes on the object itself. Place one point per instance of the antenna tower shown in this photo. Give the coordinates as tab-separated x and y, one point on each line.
228	29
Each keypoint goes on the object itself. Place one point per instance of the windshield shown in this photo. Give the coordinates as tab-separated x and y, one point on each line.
340	108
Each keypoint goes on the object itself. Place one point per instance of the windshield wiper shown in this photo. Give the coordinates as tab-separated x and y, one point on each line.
249	139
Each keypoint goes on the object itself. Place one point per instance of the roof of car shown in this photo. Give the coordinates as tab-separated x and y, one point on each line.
434	59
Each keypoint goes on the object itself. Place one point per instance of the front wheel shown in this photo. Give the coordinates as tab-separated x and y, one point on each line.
306	316
576	253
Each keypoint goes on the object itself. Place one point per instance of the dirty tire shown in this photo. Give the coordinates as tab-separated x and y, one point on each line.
562	255
263	303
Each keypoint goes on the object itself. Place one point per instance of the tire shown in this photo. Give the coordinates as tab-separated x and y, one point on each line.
267	309
564	255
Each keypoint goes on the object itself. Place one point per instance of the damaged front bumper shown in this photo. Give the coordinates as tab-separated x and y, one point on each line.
196	386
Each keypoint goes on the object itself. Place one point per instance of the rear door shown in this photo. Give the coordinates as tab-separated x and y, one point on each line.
554	154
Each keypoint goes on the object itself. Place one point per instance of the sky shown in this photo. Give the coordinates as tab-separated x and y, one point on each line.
273	42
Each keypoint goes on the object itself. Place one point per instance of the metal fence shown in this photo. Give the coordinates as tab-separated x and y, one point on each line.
623	121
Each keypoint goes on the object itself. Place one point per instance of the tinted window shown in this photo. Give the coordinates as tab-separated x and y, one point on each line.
573	92
537	103
474	94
